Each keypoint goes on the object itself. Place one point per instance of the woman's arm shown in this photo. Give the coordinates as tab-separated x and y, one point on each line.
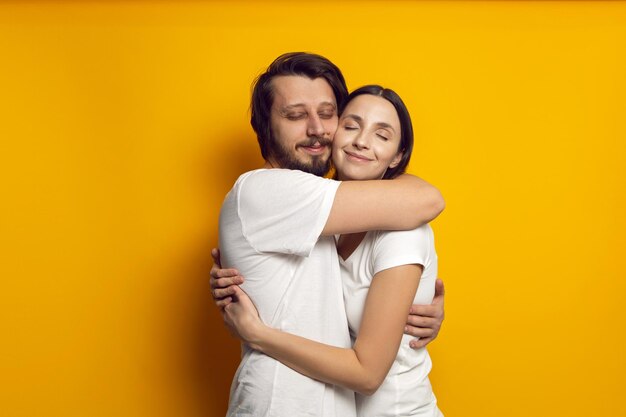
423	322
362	368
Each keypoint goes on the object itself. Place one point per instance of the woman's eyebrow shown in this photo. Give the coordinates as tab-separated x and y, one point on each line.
358	118
354	116
385	125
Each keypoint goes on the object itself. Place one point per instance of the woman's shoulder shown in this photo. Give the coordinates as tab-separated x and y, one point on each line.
395	248
423	233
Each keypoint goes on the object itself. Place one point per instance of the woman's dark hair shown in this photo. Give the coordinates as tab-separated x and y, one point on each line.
406	128
293	63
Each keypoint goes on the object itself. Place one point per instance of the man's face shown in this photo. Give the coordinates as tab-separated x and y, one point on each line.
303	122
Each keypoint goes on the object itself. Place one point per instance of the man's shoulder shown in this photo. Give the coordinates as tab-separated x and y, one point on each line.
268	180
273	173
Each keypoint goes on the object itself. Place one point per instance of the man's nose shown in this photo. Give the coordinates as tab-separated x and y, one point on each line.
315	127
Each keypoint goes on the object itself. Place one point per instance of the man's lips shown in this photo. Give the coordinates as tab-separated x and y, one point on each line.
356	157
315	148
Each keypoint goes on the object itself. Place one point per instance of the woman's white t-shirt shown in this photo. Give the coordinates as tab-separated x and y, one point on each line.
406	391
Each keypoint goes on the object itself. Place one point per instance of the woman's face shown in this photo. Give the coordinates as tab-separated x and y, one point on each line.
367	140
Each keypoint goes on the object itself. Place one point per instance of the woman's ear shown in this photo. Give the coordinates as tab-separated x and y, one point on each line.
396	159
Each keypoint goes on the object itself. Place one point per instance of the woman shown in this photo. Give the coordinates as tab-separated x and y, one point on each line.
381	272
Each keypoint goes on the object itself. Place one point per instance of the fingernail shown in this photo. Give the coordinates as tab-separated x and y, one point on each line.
406	328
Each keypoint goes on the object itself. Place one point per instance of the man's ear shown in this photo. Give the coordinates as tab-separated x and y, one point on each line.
396	159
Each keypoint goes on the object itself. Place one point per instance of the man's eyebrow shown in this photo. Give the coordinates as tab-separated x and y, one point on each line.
299	105
328	103
292	106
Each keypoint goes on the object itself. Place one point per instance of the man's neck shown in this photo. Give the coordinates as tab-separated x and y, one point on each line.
269	164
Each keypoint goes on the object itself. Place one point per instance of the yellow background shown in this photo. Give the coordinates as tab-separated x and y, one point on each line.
123	125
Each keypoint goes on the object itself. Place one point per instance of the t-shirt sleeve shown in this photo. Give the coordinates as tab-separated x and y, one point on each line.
402	248
284	211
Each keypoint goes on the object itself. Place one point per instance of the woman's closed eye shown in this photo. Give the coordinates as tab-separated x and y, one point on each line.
383	134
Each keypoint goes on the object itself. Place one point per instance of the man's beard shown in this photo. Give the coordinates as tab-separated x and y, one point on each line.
318	165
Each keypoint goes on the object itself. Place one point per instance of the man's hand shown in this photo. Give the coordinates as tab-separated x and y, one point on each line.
425	320
223	281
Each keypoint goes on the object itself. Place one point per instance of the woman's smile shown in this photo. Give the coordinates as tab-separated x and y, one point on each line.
367	141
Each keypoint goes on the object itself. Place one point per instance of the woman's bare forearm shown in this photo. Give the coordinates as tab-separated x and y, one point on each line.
364	367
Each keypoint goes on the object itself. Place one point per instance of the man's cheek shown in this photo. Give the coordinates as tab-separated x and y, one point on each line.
332	129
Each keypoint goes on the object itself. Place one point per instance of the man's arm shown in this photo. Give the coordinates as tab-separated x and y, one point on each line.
404	203
423	322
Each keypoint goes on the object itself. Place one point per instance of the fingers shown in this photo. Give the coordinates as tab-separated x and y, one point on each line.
440	290
428	310
215	253
237	291
216	272
225	282
420	343
228	320
224	302
224	296
419	331
422	321
219	293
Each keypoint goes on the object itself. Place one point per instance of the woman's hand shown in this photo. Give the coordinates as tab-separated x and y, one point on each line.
242	318
238	311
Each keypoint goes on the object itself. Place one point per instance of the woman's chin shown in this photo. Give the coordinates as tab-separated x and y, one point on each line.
357	177
357	173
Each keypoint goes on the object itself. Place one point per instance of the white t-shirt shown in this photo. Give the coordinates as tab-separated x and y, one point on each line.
270	226
406	391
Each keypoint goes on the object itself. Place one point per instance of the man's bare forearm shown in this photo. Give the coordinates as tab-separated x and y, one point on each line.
404	203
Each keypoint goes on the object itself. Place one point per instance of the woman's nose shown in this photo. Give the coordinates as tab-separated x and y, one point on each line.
361	141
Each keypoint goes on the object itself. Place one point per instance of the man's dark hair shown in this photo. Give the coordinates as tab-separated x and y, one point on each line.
293	63
406	128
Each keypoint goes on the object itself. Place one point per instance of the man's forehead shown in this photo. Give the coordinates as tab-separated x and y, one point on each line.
297	90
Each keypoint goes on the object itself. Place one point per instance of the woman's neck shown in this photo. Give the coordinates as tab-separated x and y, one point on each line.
347	244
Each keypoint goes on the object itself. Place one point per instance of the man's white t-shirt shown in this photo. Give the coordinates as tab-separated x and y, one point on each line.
406	391
269	229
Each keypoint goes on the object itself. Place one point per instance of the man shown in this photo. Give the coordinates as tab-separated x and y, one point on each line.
277	226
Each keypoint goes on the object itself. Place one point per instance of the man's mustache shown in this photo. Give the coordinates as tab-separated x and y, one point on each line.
313	141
